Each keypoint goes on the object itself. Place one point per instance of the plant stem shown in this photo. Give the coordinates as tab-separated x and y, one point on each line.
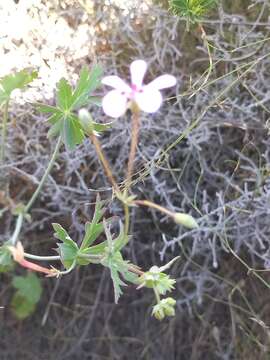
154	206
126	227
104	162
133	146
4	132
57	257
135	270
157	295
132	154
45	176
17	230
19	222
42	258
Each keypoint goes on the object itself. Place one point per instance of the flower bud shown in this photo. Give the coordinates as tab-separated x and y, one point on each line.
186	220
86	121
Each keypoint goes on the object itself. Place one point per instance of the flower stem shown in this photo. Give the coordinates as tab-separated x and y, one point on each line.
154	206
156	295
133	146
134	269
104	162
19	222
4	132
126	227
41	258
15	235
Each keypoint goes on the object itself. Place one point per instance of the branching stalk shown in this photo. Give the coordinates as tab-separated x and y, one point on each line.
104	162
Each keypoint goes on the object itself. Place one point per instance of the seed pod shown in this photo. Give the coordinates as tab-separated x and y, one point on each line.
185	220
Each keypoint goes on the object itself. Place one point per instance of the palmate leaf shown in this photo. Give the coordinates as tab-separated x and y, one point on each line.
18	80
119	268
64	121
27	296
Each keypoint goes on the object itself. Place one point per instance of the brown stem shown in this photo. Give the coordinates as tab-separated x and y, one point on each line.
135	270
133	146
104	161
154	206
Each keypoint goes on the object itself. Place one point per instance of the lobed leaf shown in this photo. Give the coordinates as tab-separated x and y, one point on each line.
11	82
28	287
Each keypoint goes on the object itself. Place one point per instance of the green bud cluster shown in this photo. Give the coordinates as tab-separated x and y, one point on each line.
164	308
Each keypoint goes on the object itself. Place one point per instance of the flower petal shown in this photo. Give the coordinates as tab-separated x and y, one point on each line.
149	100
163	82
114	104
116	82
137	71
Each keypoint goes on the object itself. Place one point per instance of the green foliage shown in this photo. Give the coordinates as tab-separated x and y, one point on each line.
63	118
157	280
115	262
164	308
70	252
6	261
67	249
18	80
27	296
191	10
94	228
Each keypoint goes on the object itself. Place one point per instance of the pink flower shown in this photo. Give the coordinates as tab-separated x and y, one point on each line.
147	97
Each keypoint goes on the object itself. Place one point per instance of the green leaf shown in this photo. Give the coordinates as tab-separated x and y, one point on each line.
64	95
65	122
18	80
46	109
60	232
115	262
72	132
21	307
6	260
87	83
68	252
28	287
94	228
68	249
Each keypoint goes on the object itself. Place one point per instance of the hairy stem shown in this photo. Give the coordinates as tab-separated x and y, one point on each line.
104	162
154	206
4	132
126	227
133	146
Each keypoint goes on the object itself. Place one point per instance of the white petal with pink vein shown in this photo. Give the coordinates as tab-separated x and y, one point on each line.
147	97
